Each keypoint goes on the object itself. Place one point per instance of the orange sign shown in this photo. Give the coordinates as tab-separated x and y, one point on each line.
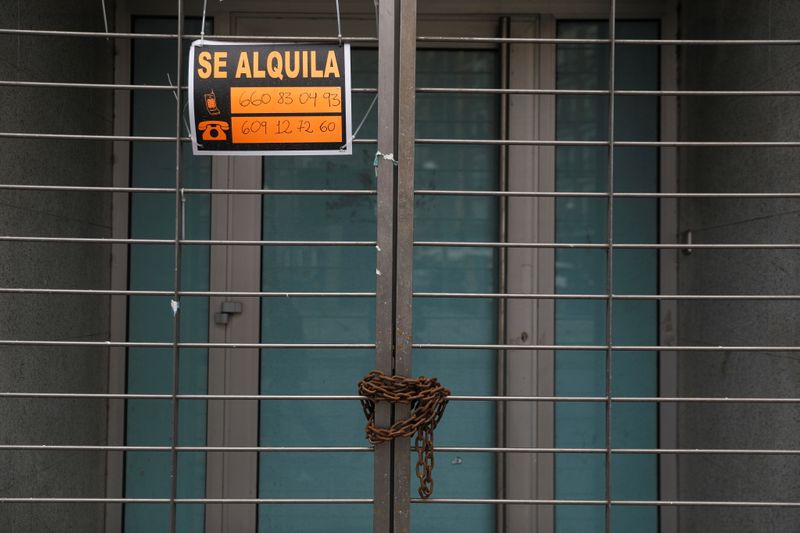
287	129
270	99
286	100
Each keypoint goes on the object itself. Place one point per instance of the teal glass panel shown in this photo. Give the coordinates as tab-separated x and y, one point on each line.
319	320
452	269
149	370
584	220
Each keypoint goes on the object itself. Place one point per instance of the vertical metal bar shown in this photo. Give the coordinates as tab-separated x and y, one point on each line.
384	298
668	274
612	33
502	229
404	223
176	302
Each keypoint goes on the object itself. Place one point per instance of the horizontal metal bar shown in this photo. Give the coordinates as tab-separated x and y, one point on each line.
622	399
171	190
118	86
350	501
218	242
361	449
124	344
286	192
653	144
77	85
97	34
421	192
373	40
231	294
264	449
115	138
82	188
226	397
439	244
581	194
545	40
455	397
621	451
188	37
84	137
421	346
657	503
188	501
476	295
493	142
618	246
427	90
600	92
602	347
527	296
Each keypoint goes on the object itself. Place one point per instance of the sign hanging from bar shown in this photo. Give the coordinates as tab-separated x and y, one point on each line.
270	99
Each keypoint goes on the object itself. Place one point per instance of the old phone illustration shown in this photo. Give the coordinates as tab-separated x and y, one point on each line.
211	103
214	130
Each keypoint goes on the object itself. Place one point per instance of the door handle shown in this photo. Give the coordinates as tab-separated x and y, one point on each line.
226	310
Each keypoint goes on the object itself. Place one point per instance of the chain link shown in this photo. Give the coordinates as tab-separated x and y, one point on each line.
427	399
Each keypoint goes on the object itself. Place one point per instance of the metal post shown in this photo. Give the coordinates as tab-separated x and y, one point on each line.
612	53
406	115
397	36
502	285
176	297
384	298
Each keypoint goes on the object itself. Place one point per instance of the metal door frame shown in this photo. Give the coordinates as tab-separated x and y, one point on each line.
397	34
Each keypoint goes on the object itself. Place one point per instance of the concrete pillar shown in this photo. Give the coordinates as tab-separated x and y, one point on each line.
48	265
739	373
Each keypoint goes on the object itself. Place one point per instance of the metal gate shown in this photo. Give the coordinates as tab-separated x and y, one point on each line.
69	278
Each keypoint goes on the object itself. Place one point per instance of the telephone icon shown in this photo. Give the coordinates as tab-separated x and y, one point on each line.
214	130
211	103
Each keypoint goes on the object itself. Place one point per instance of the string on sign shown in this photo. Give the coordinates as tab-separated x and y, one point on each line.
339	22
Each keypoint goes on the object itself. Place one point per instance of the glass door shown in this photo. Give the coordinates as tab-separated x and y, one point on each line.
348	319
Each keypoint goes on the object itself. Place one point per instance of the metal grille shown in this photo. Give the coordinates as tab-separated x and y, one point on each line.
395	196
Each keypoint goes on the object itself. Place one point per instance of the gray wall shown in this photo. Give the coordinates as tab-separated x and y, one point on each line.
739	373
43	317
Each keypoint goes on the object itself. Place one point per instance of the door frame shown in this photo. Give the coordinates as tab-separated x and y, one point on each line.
234	371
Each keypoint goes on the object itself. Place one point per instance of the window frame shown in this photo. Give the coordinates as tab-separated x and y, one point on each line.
534	376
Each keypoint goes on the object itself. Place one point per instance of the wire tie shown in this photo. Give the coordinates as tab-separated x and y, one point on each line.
380	155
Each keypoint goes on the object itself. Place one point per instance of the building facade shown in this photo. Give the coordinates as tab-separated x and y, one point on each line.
579	216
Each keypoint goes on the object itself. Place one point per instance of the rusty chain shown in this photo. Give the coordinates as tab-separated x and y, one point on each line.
427	398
